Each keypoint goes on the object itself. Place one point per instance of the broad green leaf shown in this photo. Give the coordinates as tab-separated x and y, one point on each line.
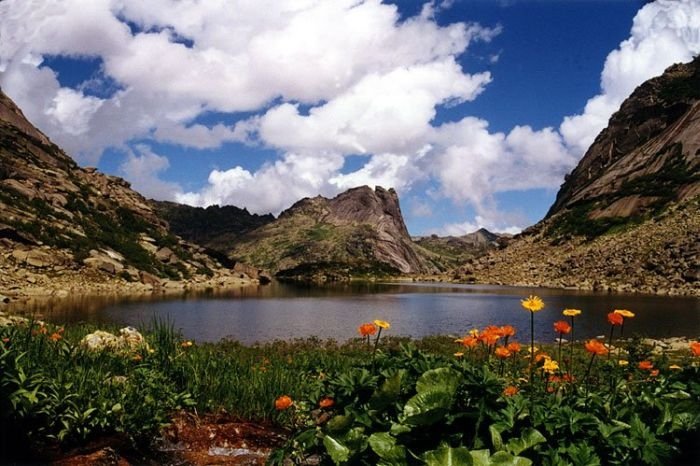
398	429
496	438
481	457
502	458
443	379
389	391
426	408
338	452
340	423
528	439
384	445
447	456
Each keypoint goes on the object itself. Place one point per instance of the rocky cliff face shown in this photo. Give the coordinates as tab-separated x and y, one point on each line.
58	220
361	231
628	217
647	157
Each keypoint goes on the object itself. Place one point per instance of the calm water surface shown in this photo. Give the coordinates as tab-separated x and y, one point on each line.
281	311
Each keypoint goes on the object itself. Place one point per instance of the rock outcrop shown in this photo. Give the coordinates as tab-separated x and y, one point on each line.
359	232
628	217
447	252
66	226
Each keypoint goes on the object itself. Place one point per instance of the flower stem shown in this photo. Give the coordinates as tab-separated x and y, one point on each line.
612	329
571	350
532	343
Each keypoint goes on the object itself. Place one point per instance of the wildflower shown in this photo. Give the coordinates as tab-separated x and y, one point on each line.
367	329
382	324
554	378
624	313
510	390
474	332
507	331
137	358
540	356
675	367
645	365
615	319
502	352
186	344
654	373
571	312
55	336
513	347
695	348
458	354
326	402
283	402
550	366
469	342
568	378
595	347
5	340
533	303
489	338
623	362
562	327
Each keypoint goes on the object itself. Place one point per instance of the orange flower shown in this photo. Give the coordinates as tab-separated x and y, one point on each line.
326	402
55	336
186	344
596	347
507	330
695	348
513	347
469	342
502	352
615	318
283	402
567	377
540	356
510	390
367	329
489	338
646	365
654	373
562	327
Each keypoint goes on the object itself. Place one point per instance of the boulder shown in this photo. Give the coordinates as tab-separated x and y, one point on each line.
149	279
35	257
105	264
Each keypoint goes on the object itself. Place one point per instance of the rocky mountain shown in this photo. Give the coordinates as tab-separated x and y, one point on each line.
359	232
451	251
628	217
64	226
214	227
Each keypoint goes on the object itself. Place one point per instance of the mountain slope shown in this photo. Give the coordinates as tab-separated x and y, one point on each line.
359	232
215	227
59	220
628	217
451	251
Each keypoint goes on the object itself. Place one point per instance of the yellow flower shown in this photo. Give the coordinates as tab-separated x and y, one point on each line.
533	303
675	367
624	313
186	344
474	332
382	324
571	312
623	362
459	354
550	366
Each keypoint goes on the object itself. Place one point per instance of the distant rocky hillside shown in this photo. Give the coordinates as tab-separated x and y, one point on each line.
58	220
451	251
216	228
628	217
359	232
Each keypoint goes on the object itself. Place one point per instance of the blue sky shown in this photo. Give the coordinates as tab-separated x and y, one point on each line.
473	110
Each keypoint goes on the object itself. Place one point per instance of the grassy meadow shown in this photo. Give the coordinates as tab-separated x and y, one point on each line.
491	397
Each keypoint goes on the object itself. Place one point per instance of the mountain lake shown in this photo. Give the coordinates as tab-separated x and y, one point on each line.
287	311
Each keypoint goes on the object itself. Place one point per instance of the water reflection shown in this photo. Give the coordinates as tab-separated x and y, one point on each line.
282	311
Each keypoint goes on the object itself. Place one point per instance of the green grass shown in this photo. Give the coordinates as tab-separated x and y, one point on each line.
414	400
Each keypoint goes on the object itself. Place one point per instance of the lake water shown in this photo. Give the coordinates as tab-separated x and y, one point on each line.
283	311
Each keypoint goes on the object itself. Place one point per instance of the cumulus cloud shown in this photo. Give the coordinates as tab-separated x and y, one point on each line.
663	32
319	80
142	169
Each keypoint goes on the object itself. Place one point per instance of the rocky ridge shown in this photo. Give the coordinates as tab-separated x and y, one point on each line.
628	217
447	252
64	228
358	232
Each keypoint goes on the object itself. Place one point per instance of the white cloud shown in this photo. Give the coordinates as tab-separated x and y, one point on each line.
322	79
142	170
663	32
463	228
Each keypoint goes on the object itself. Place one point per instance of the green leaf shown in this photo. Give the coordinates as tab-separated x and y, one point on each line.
384	445
340	423
443	379
427	408
389	391
447	456
501	458
338	452
496	438
528	439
